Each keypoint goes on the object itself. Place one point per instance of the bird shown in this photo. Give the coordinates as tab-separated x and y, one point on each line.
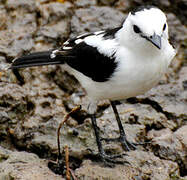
114	64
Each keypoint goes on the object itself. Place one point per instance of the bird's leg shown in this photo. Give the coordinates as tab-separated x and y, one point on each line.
96	129
122	138
107	159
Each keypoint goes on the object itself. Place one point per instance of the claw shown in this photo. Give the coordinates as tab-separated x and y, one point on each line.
125	143
109	160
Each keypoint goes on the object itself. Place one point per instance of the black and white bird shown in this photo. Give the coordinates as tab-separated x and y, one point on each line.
114	64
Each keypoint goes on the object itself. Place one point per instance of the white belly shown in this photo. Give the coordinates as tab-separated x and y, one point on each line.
131	80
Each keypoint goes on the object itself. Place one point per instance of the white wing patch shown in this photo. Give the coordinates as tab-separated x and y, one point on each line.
105	46
98	32
53	54
79	41
66	43
82	35
67	47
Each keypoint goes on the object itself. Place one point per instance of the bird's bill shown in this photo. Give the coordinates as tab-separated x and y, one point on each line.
155	40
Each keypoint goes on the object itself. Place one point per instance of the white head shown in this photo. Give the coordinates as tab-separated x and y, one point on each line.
145	27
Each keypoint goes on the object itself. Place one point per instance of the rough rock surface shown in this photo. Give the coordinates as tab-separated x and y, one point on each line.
143	165
34	101
93	18
172	146
24	166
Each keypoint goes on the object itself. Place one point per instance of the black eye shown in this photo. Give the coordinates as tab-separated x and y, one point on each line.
136	29
164	27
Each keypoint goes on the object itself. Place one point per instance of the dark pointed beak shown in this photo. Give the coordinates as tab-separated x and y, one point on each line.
156	40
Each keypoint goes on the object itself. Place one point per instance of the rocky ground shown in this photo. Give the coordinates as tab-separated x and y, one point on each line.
34	101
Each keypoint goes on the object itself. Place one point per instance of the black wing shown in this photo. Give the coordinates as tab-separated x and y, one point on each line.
88	60
91	63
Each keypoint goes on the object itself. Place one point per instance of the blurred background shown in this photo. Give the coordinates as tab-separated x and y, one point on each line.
33	101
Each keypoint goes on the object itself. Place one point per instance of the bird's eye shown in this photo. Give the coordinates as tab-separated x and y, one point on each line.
164	27
136	29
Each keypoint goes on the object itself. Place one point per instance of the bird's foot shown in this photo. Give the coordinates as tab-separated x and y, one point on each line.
108	160
111	160
127	145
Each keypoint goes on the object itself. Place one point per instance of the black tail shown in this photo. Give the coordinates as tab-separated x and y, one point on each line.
36	59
